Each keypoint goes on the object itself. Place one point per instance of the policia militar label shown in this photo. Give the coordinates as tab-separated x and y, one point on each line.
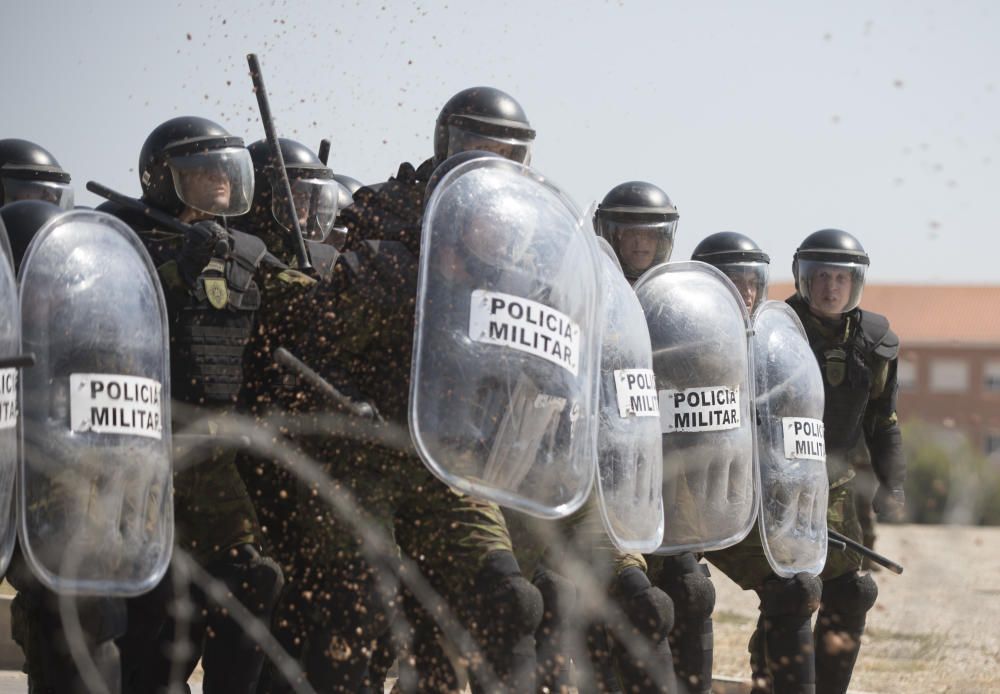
636	391
8	398
715	408
803	438
115	404
527	326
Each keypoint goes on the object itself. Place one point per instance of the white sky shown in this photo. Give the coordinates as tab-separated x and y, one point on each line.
770	118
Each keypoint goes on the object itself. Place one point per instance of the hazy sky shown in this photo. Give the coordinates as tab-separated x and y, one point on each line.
774	119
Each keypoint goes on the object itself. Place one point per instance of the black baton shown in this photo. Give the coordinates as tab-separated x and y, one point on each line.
279	175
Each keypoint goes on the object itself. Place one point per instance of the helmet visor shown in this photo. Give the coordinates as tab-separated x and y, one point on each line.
830	288
462	140
15	189
315	204
639	245
218	182
750	280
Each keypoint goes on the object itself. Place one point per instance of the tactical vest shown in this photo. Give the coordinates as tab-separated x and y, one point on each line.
849	361
211	331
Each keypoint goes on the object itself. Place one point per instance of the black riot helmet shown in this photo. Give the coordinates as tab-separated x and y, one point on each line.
639	221
483	118
29	172
314	189
741	260
23	219
829	270
193	162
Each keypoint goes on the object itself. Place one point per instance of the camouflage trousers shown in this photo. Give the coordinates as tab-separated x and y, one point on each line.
336	576
212	508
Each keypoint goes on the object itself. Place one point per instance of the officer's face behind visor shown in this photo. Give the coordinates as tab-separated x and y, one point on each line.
461	140
15	189
750	280
315	204
218	182
640	246
831	289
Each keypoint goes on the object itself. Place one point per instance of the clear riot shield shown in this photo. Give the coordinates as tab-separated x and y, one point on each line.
790	445
10	347
698	326
95	506
503	395
629	457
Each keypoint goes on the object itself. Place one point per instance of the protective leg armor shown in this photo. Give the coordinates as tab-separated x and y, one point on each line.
839	627
786	607
559	600
651	615
233	662
688	584
510	611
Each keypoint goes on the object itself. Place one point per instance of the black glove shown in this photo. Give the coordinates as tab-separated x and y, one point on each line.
889	502
204	241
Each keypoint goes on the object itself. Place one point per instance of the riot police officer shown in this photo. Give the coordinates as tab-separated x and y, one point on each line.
857	353
316	194
195	170
36	622
782	647
287	510
639	220
461	543
29	172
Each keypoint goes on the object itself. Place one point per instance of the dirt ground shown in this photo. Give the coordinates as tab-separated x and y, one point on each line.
935	628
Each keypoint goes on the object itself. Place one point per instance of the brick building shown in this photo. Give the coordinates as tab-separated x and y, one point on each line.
949	366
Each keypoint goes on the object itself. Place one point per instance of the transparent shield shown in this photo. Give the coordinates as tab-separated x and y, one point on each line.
96	513
217	181
629	457
698	329
503	399
10	346
790	444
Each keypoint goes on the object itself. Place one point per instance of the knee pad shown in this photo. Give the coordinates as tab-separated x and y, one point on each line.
507	597
850	594
558	594
798	596
255	580
648	608
687	582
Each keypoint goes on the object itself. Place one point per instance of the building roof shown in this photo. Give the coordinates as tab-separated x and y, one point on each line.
960	315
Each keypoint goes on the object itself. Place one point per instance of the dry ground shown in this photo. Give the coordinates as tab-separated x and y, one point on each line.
936	628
